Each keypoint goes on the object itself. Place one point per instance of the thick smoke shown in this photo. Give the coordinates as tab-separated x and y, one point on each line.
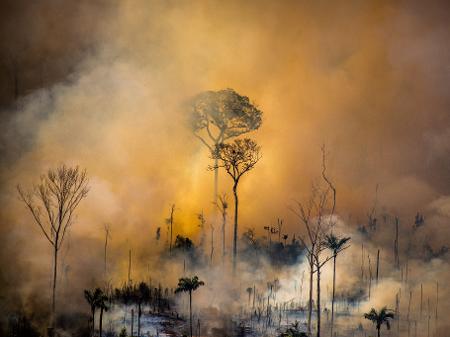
368	79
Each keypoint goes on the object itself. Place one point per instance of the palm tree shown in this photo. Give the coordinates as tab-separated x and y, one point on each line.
380	318
186	284
93	297
336	245
101	304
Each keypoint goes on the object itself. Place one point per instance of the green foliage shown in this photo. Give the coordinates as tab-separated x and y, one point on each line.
334	243
237	157
293	331
183	243
96	298
186	284
123	333
380	318
222	115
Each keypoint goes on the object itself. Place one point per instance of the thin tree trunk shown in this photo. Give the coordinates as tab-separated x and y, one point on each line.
93	321
318	302
333	294
100	323
139	319
216	180
378	264
190	310
224	221
132	322
171	228
55	273
310	308
421	301
235	233
106	247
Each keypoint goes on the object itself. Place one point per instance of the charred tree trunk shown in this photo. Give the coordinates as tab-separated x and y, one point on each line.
100	323
310	306
139	319
224	222
190	311
235	232
132	322
333	294
318	302
55	277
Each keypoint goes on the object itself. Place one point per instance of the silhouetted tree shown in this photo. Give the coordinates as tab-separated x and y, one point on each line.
237	158
102	305
186	284
249	292
336	245
317	217
52	203
93	299
217	116
380	318
169	222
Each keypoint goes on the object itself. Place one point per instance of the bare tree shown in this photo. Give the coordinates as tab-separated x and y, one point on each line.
169	222
52	203
107	236
317	217
217	116
237	158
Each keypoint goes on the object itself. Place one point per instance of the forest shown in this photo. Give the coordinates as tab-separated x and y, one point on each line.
193	169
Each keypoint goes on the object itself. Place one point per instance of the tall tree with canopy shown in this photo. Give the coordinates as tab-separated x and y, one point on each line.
187	284
52	203
379	318
217	116
237	158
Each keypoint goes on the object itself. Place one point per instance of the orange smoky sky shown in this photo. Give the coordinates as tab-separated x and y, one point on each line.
104	85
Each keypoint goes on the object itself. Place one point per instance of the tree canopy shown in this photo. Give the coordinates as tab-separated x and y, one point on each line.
220	115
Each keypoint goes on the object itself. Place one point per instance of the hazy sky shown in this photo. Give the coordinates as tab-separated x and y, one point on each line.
104	85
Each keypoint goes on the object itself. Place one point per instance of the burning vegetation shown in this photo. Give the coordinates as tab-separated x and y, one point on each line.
145	194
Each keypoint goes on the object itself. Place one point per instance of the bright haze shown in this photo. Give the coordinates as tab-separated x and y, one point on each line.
106	85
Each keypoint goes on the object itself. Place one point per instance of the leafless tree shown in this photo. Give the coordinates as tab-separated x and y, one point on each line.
317	217
237	158
169	222
52	203
217	116
107	236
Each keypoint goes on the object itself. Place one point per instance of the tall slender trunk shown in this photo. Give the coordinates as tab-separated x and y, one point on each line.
235	233
100	323
139	319
55	276
106	247
93	320
310	308
132	322
171	228
333	295
129	266
190	311
216	180
318	302
224	222
378	264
